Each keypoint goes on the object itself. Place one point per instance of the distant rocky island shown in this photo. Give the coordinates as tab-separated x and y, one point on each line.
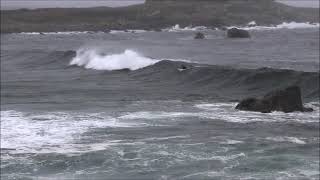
154	15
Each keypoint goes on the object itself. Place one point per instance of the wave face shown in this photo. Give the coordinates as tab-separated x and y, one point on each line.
91	59
212	81
49	74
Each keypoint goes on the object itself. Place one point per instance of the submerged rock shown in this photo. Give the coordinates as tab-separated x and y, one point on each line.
182	68
237	33
199	35
287	100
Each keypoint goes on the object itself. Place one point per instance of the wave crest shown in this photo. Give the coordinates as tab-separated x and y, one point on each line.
178	28
129	59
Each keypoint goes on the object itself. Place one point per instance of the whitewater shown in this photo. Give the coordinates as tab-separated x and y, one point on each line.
91	59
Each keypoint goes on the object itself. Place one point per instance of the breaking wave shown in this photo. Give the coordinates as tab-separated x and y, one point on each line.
129	59
285	25
192	76
182	79
250	26
177	28
128	31
56	33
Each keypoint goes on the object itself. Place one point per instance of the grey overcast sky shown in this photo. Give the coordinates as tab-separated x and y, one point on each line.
16	4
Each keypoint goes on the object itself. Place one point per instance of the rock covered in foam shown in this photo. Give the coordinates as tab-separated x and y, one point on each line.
286	100
237	33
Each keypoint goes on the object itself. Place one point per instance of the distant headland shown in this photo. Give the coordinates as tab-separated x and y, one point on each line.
154	15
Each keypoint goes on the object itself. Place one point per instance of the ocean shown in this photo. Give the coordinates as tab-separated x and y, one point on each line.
157	105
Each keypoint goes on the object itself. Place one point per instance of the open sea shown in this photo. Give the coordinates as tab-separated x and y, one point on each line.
157	105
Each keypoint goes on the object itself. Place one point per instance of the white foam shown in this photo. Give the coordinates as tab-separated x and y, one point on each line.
252	23
58	132
285	25
295	25
166	138
227	112
51	132
156	115
287	139
129	59
231	142
55	33
177	28
224	112
128	31
214	106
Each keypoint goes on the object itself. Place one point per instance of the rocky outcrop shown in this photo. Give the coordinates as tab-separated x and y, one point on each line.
199	35
286	100
237	33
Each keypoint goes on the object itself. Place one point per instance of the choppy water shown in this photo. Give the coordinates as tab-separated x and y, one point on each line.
158	121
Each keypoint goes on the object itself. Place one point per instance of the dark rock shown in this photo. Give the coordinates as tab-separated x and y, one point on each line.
306	109
183	67
287	100
223	28
253	104
157	29
237	33
106	31
199	35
